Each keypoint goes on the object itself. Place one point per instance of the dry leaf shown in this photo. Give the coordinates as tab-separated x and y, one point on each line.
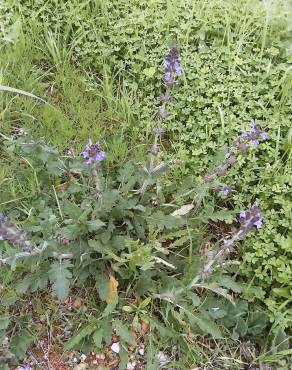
182	211
112	293
144	327
77	303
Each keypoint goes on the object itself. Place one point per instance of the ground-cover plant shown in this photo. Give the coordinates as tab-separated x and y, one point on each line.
84	228
237	66
135	239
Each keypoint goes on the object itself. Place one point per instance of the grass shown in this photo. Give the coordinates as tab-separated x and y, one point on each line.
97	65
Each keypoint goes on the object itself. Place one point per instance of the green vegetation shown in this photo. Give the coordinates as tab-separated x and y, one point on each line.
98	66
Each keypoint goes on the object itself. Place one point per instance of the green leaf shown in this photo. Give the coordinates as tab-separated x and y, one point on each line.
145	303
280	341
128	309
165	221
60	277
228	283
95	225
102	285
283	292
21	92
20	343
149	72
257	321
32	282
97	337
4	322
123	332
72	210
241	327
71	232
207	325
79	336
123	358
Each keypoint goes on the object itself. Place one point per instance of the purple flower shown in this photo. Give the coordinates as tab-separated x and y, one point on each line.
100	156
244	134
249	218
166	63
259	223
172	67
167	76
252	136
225	190
92	153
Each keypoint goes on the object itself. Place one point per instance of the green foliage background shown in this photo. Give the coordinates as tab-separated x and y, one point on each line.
236	57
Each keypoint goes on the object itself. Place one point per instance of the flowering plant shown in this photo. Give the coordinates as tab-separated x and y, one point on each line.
86	227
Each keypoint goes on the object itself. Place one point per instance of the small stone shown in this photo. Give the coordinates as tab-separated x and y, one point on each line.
115	347
162	358
100	356
94	362
141	351
131	365
83	357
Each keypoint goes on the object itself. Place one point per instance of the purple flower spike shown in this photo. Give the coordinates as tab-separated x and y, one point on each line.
166	63
259	223
252	136
93	154
167	76
172	67
250	218
225	191
244	134
100	156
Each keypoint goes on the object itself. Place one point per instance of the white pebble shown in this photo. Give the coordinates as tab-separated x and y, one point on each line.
131	365
162	358
141	351
116	347
82	357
